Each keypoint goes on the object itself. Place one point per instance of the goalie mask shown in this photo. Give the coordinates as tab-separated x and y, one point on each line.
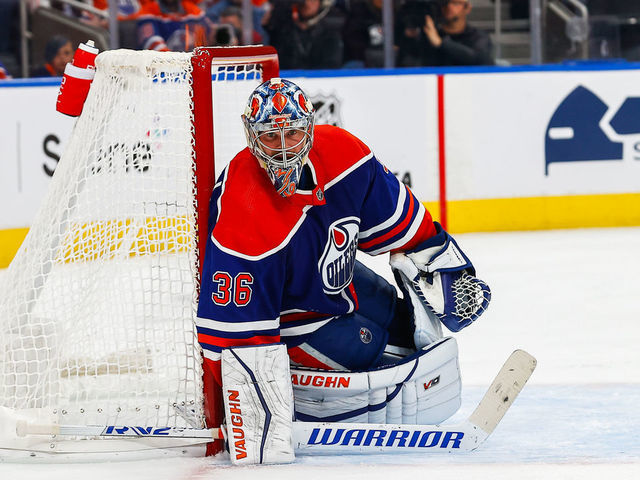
278	122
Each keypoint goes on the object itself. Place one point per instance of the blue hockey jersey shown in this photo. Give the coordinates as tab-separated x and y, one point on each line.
277	269
161	28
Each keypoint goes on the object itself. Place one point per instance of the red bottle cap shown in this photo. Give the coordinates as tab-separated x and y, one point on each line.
85	55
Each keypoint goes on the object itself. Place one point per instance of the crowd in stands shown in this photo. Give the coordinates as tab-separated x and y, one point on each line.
308	34
58	52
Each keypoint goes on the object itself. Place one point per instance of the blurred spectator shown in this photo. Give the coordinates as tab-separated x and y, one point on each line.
171	25
363	35
57	53
228	30
307	34
126	8
68	10
260	10
436	33
4	75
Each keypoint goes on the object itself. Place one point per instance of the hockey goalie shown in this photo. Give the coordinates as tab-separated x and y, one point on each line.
286	309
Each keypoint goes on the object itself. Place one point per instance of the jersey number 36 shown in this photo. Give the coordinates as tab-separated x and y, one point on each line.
229	288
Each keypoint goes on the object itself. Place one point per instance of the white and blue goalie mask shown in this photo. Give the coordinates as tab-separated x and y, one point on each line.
278	122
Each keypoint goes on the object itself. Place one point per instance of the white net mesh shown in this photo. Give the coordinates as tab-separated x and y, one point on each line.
98	307
231	89
96	319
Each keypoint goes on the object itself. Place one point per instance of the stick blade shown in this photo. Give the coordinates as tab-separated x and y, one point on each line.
503	391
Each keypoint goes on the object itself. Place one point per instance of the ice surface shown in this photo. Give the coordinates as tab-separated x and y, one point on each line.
572	299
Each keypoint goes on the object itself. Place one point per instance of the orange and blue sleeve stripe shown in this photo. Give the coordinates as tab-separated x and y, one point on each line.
409	224
215	335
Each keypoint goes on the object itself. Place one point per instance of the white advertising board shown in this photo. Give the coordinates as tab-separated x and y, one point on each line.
396	116
527	134
33	138
533	134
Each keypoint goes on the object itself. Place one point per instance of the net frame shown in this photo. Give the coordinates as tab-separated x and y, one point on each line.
201	127
202	61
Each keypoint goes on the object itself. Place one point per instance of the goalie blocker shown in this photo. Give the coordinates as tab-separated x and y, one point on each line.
258	396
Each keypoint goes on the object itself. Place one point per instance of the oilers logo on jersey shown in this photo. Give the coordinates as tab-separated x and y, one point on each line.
338	259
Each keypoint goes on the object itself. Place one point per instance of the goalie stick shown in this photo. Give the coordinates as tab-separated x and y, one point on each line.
332	438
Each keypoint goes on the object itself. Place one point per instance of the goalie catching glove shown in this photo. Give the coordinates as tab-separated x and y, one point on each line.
440	279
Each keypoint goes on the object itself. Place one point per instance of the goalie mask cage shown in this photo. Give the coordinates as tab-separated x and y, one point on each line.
97	315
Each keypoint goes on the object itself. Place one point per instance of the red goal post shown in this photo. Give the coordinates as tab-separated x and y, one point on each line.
204	60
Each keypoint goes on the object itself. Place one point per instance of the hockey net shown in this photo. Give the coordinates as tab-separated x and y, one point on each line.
98	307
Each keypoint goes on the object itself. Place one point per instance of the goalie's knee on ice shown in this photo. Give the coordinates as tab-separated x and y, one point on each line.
350	342
377	298
356	341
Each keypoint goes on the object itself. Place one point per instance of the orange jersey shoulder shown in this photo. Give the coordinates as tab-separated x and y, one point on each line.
335	151
253	219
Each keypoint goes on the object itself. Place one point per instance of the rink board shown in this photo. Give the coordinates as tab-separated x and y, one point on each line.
524	148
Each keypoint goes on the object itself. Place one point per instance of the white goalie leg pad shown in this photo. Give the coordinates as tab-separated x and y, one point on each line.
258	402
422	389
